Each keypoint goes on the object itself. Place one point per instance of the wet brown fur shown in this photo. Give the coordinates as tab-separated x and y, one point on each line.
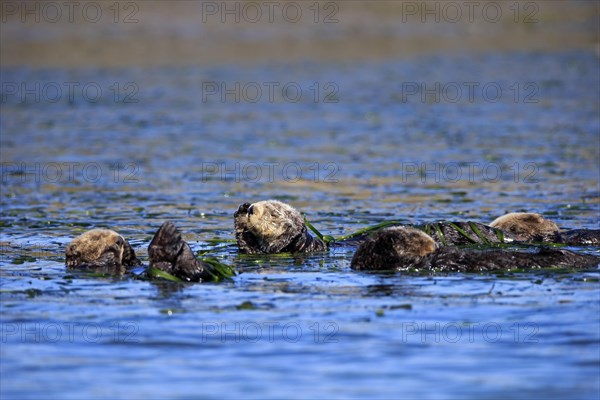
386	247
100	248
270	226
406	249
527	227
170	253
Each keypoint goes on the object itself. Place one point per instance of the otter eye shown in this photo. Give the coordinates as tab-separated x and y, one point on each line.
250	210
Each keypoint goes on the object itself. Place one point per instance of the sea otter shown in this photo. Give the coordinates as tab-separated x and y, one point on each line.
101	249
271	226
274	227
106	251
513	227
532	227
406	248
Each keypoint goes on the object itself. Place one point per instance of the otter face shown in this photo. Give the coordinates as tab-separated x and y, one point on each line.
408	241
100	248
393	248
526	227
267	226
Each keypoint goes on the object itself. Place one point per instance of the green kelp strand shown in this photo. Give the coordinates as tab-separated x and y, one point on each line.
439	231
215	241
360	232
462	232
219	271
312	228
500	235
478	232
157	273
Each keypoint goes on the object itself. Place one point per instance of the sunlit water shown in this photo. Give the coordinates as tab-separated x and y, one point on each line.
356	148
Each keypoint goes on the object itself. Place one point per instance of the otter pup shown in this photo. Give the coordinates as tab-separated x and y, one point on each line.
526	227
514	227
403	248
100	249
170	253
532	227
519	227
271	226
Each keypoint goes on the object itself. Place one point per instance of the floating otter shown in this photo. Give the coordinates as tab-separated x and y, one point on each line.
526	227
532	227
106	251
275	227
406	248
513	227
271	226
101	249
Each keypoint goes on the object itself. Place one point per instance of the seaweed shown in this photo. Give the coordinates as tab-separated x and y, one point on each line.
218	270
428	228
152	272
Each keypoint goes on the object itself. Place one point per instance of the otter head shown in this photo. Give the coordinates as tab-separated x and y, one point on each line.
267	226
527	227
392	248
100	248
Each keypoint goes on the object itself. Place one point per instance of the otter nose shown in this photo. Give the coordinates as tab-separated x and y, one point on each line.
242	209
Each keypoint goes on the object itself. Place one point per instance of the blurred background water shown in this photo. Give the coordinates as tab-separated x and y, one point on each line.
127	114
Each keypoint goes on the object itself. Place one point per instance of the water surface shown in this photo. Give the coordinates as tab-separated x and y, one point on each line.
358	147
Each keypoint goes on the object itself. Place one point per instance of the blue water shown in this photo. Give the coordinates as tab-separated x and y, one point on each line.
299	326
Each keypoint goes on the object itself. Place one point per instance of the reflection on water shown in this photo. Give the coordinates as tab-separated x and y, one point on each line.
366	141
